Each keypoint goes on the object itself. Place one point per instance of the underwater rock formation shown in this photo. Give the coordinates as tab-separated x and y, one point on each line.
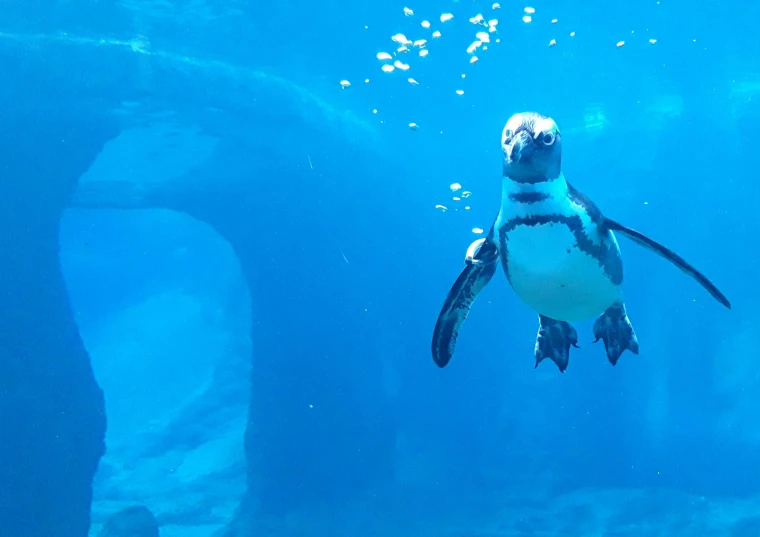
54	442
51	407
287	439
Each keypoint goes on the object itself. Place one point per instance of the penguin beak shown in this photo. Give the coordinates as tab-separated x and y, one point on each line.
522	148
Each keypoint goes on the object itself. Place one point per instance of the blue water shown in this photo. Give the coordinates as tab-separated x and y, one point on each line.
254	246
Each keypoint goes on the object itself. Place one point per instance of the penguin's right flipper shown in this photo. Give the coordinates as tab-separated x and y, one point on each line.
671	256
480	265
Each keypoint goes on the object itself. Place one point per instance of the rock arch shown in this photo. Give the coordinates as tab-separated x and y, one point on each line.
282	182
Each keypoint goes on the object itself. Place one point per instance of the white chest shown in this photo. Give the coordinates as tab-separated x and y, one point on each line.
545	265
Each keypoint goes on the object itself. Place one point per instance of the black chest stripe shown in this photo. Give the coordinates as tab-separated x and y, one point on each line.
528	197
607	256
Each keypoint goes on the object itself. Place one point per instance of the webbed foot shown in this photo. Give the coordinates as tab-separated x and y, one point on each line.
614	327
554	340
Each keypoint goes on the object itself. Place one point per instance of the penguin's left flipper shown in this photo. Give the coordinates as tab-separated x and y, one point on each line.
480	265
671	256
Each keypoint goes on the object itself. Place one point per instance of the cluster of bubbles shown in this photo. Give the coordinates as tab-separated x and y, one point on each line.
399	57
458	198
393	60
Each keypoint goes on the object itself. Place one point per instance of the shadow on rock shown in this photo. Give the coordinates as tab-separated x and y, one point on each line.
135	521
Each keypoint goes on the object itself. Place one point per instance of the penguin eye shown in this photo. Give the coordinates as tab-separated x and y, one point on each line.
546	138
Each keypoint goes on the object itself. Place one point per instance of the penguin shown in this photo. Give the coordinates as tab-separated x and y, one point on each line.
558	251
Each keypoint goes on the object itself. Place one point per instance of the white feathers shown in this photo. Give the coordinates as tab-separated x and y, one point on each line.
547	268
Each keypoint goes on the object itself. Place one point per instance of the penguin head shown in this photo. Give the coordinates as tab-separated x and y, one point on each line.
532	148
